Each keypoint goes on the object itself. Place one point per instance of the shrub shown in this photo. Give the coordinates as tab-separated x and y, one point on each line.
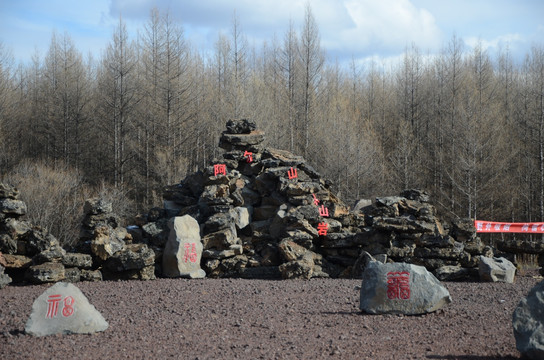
55	195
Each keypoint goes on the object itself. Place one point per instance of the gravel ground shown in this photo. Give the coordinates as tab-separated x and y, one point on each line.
259	319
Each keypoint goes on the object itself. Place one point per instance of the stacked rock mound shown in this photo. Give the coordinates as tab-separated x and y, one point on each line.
111	246
29	252
266	213
406	229
262	212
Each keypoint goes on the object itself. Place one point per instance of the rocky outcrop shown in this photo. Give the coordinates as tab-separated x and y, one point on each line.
256	205
262	213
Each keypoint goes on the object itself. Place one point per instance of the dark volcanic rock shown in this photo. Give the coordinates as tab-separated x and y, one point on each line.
243	126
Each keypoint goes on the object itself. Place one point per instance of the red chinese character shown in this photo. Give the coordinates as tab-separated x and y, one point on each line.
316	201
248	155
68	309
292	173
190	253
52	306
322	228
398	285
219	169
323	211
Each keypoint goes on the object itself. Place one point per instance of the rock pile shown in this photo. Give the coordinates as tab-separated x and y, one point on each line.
29	252
262	213
406	229
266	213
111	246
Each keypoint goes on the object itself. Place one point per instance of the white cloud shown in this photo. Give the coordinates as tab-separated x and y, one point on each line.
358	28
387	26
346	27
495	43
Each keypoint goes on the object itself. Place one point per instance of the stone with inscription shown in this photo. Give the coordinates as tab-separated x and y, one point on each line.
63	309
401	288
497	269
528	324
183	250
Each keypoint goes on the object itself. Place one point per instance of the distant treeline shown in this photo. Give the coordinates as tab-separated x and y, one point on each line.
466	127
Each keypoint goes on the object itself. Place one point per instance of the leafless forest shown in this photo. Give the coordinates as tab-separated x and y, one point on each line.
462	125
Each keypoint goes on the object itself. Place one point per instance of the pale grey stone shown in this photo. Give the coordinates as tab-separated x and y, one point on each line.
183	250
400	288
63	309
241	217
496	270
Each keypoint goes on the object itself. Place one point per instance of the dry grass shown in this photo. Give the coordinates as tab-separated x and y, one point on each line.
55	194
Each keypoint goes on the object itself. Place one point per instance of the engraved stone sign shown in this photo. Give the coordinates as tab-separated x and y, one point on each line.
183	249
63	309
401	288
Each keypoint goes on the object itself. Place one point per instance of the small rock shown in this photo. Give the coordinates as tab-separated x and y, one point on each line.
496	270
44	273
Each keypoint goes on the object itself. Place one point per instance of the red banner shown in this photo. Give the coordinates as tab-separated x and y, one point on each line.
501	227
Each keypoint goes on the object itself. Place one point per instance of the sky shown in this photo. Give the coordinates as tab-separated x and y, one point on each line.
349	29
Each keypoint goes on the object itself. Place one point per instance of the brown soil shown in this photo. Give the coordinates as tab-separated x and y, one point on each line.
258	319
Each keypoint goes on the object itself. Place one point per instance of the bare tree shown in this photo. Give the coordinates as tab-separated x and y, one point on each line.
118	90
312	60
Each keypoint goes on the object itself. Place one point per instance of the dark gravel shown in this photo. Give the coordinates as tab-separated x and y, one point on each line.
259	319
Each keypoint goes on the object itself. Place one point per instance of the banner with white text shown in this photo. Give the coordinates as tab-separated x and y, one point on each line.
502	227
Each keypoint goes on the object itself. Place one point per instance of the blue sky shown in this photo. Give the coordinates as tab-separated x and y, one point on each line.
362	29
